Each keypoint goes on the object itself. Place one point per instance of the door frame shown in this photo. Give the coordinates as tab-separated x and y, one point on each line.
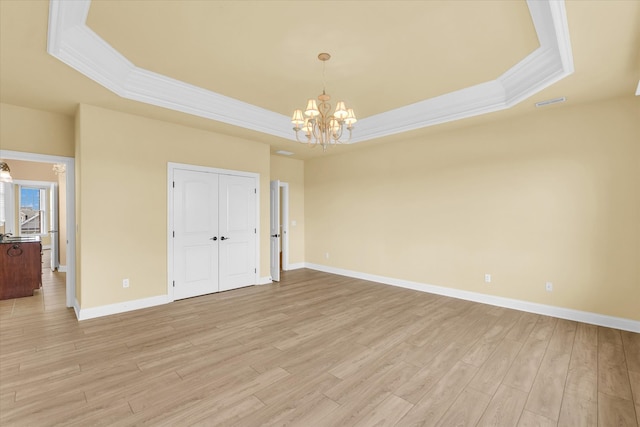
171	167
284	213
70	182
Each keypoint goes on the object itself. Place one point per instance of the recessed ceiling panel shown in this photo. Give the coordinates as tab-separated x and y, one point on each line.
385	54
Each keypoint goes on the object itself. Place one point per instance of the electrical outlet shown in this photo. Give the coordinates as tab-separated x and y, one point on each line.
125	283
326	255
487	278
549	287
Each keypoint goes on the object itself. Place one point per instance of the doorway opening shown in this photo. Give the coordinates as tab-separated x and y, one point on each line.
69	221
279	228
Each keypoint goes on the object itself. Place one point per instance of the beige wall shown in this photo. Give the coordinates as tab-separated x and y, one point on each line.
552	196
35	131
32	171
291	171
122	198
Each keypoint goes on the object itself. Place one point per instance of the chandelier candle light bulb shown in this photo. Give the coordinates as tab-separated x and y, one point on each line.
320	127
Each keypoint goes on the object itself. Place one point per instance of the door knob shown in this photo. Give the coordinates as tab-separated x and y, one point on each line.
224	238
214	238
275	235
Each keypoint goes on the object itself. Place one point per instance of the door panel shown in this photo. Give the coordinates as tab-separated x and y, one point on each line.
198	207
195	225
237	231
198	263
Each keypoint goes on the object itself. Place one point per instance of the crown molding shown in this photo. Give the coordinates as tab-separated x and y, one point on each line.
71	41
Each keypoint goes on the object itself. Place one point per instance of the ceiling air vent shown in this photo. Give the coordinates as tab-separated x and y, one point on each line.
550	101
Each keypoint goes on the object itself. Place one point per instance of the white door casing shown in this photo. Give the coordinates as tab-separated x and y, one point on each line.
196	233
274	229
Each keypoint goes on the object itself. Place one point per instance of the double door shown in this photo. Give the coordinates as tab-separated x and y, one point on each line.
214	232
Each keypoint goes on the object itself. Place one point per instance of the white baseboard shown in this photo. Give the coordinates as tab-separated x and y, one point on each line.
106	310
62	268
547	310
265	280
76	308
296	266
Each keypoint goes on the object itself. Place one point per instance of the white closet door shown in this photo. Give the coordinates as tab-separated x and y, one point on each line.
237	231
196	233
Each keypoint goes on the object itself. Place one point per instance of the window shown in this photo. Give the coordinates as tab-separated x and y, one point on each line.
33	210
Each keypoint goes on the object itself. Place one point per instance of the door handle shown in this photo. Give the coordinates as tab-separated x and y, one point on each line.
275	235
214	238
224	238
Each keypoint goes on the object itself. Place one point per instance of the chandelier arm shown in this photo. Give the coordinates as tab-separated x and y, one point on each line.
298	136
308	141
338	136
339	139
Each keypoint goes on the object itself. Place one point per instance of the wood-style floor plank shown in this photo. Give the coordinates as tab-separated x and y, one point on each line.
545	398
529	419
615	411
466	410
312	350
440	397
505	408
577	411
525	367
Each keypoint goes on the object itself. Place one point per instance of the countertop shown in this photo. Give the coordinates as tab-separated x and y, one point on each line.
20	239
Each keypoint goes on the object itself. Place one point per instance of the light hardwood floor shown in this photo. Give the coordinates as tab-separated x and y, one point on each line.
314	350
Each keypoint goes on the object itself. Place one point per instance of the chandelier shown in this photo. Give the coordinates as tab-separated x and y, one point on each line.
318	125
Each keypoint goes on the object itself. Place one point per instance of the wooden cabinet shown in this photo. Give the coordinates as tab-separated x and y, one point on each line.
20	268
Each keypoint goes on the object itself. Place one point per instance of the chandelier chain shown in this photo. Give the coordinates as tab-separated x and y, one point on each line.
324	80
